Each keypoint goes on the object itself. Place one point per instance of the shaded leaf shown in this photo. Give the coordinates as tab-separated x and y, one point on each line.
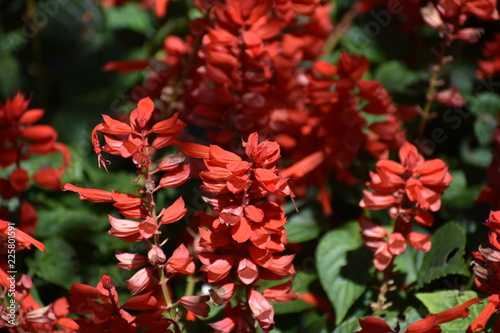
446	256
302	227
58	264
343	267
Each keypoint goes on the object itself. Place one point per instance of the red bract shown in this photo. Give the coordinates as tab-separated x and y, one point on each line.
101	303
243	240
490	67
407	190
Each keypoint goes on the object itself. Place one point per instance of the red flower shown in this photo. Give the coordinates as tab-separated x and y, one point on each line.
243	241
407	190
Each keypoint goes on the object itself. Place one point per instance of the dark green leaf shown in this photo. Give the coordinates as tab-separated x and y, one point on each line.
479	157
458	196
485	103
348	326
446	256
395	76
343	267
409	263
58	264
129	16
302	227
484	128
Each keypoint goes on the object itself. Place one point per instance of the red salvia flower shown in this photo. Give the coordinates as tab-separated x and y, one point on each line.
243	240
407	190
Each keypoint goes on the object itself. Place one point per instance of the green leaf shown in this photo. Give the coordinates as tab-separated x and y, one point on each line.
411	316
57	265
446	256
344	283
410	263
129	16
395	76
440	301
302	227
9	75
485	103
69	222
484	128
348	326
458	196
357	42
479	157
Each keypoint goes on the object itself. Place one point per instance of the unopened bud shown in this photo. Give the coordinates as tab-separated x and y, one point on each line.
156	256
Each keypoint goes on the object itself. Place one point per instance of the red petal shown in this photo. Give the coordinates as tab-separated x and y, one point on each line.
140	116
31	116
19	179
241	231
90	194
175	212
115	127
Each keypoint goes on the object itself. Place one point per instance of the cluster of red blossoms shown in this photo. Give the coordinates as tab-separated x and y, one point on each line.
240	245
140	140
408	191
449	17
20	139
19	311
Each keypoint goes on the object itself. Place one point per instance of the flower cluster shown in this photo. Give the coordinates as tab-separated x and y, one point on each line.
140	140
449	17
18	309
242	243
20	139
408	191
336	94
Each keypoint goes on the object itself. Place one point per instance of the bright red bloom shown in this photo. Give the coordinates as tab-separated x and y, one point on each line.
135	140
243	241
407	190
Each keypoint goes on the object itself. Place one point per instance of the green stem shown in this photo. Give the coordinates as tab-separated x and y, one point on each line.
191	281
431	91
340	30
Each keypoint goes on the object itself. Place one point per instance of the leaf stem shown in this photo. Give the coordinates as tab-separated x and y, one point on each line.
431	90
